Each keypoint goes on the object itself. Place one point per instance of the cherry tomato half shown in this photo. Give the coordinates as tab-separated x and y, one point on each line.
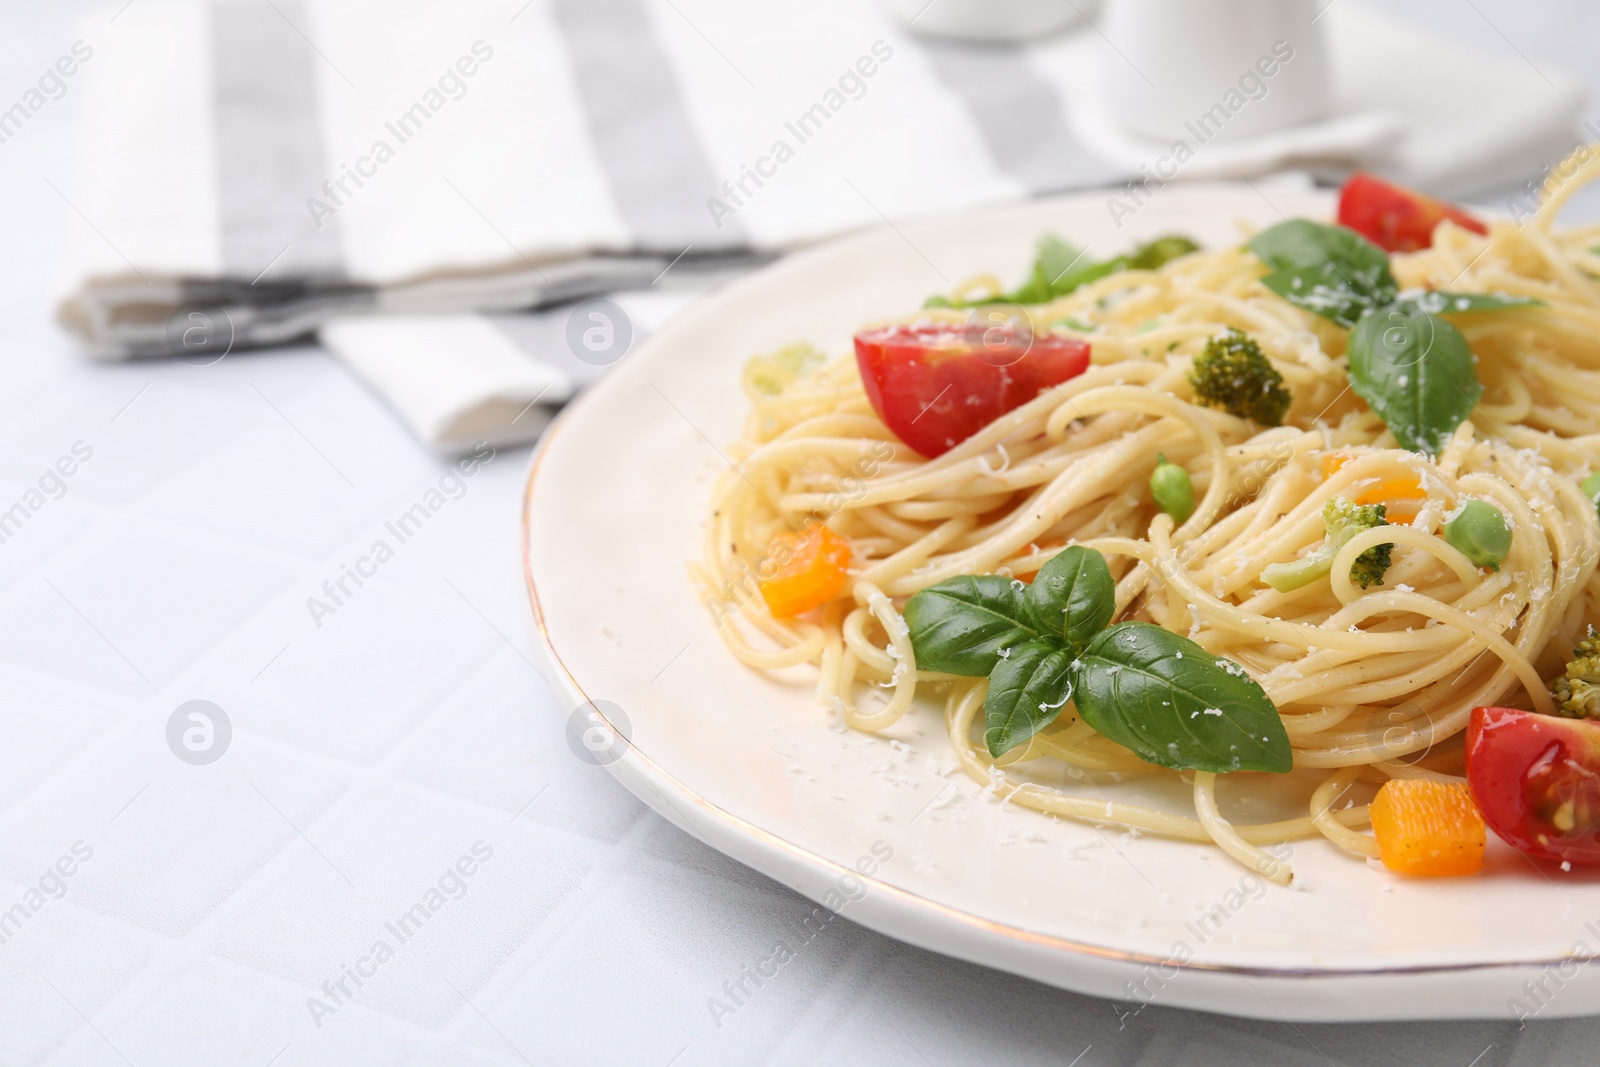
1536	779
935	385
1394	217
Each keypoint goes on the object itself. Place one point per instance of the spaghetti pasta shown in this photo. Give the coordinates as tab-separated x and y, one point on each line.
1370	683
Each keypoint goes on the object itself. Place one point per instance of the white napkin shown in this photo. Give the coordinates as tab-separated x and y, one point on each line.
388	171
458	380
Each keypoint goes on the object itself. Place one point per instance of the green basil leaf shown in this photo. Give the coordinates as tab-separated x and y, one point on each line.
1060	268
1329	270
1439	302
1027	690
1036	290
1177	705
1055	261
1321	291
1073	596
1415	370
1084	273
1300	244
1066	268
961	626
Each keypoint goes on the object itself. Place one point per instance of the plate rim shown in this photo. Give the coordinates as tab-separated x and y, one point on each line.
642	768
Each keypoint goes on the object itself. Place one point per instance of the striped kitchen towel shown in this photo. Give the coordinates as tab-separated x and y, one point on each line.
258	170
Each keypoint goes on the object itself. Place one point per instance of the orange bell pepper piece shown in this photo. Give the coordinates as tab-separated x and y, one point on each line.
1390	490
1405	491
803	570
1402	498
1427	828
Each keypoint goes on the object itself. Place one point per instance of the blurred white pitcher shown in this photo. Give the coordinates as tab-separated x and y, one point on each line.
1215	69
991	20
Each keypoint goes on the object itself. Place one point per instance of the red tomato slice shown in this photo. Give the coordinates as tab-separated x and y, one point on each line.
1536	779
1394	217
935	385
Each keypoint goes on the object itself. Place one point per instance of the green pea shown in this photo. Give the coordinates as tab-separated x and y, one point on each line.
1174	492
1480	532
1591	487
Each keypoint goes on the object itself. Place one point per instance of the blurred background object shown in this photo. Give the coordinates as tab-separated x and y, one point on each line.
992	20
1263	62
333	162
1403	103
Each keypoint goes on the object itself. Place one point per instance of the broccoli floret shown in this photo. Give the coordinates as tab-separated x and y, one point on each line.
1160	252
1369	566
1341	520
1577	692
1233	374
771	375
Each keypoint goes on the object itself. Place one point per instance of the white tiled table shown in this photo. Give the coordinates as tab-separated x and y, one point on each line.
375	750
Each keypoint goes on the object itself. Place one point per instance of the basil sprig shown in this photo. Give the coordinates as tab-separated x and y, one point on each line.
1041	645
1340	275
1411	366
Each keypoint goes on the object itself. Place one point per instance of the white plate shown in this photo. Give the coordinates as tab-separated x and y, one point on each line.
613	512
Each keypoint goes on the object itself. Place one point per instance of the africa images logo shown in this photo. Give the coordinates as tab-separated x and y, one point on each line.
199	732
